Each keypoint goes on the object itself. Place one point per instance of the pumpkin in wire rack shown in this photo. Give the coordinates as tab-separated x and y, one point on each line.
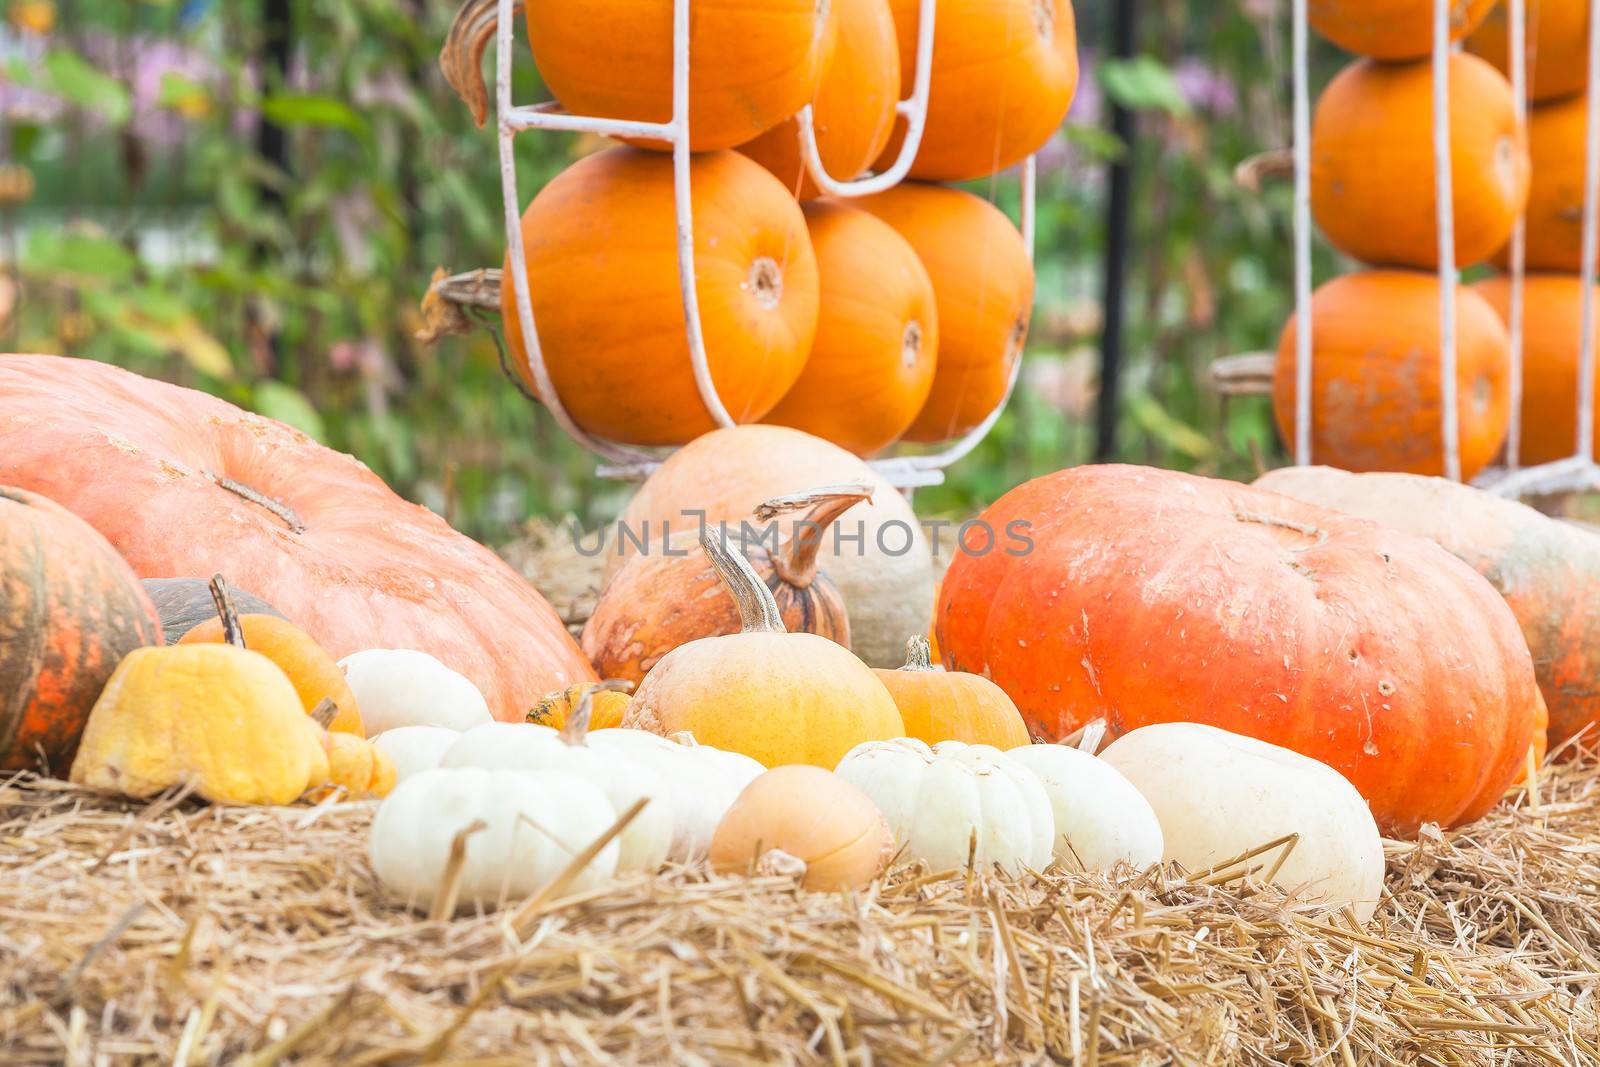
667	598
601	247
872	364
1372	173
1557	45
853	113
1557	133
1391	29
775	696
1004	75
983	293
313	532
1375	374
70	610
1154	596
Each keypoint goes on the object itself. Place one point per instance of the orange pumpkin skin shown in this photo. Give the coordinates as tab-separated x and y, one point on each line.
70	609
1154	596
314	673
853	114
324	540
1557	44
872	364
1390	29
1372	189
753	62
1375	375
1548	571
940	705
1552	323
983	290
1554	230
602	255
1004	74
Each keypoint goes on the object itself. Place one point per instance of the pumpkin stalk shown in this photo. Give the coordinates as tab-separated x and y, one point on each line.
325	712
758	611
232	632
461	59
919	654
798	565
577	724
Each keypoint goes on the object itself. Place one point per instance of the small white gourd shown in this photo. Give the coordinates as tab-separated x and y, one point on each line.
397	687
954	800
1219	795
415	748
1100	818
533	826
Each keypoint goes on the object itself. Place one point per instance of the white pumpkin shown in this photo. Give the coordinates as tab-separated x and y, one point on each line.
415	748
398	687
939	799
1219	795
523	746
1100	818
534	824
702	781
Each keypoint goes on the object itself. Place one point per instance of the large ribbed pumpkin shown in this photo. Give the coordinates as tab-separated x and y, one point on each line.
1376	373
1372	185
1554	231
182	483
1004	74
1557	45
1547	570
602	254
876	553
1153	596
1552	324
753	62
872	365
983	287
1390	29
70	609
853	113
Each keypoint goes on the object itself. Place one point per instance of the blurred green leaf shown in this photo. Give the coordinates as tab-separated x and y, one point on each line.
1143	83
1148	414
79	255
78	82
287	404
297	109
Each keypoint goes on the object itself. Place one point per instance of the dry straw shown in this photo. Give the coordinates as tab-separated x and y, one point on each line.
177	933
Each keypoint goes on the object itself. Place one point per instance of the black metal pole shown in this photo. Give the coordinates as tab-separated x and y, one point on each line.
272	141
1118	209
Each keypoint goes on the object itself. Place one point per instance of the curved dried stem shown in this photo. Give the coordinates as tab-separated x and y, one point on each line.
577	726
758	611
232	632
461	59
1255	172
797	565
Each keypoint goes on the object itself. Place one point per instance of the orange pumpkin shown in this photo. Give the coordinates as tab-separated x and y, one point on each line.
810	815
1375	375
872	365
1390	29
854	111
1557	45
313	532
663	599
1554	229
940	705
602	255
606	707
70	610
1004	74
1552	324
754	62
983	289
315	674
1372	185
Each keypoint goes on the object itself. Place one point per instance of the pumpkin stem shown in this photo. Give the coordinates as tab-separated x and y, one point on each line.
289	515
758	611
577	725
1316	533
919	654
232	632
798	565
461	58
325	712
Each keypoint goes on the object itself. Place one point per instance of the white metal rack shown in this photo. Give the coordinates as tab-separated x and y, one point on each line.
624	461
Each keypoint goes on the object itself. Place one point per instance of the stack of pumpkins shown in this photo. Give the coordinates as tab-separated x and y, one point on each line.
863	321
1376	398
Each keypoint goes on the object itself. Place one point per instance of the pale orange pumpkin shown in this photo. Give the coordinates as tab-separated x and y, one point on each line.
1004	74
754	62
872	364
602	255
774	696
1375	375
315	674
983	289
1557	45
940	705
853	113
1391	29
1554	230
809	814
1372	184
